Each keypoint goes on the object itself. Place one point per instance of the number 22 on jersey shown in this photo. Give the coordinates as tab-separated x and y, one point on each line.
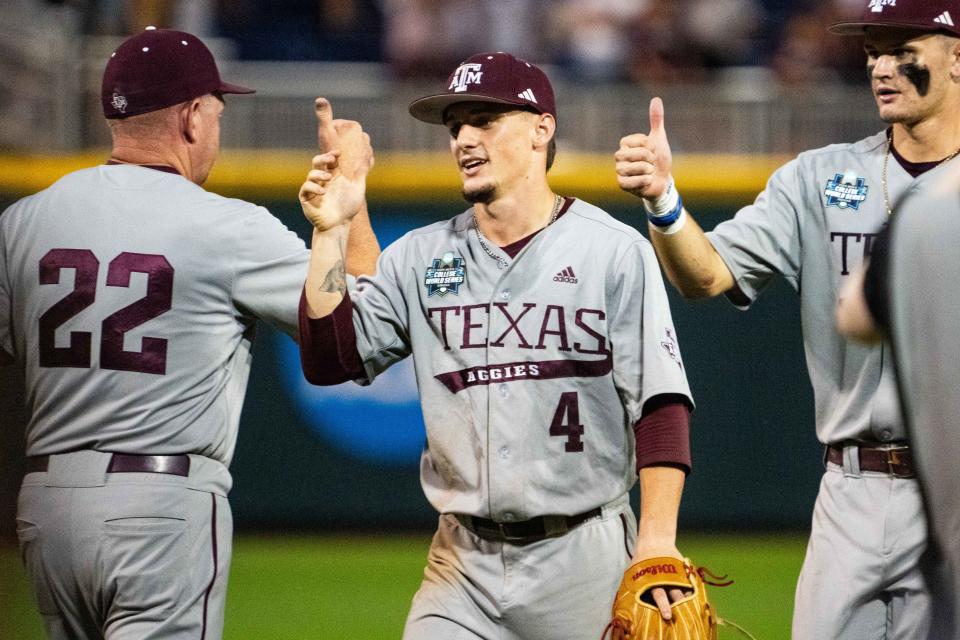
152	358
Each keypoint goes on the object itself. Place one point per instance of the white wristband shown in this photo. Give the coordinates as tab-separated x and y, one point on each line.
665	204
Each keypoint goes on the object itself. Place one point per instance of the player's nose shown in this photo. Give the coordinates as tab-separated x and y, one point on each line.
884	67
467	136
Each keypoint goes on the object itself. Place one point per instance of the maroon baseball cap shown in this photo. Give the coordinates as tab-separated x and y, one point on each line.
490	77
925	15
159	68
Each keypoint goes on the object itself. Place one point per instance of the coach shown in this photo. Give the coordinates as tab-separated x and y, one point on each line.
128	297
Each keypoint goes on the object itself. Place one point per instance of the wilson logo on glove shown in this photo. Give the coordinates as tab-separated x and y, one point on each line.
654	570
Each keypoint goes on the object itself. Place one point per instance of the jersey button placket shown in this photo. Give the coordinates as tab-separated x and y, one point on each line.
501	425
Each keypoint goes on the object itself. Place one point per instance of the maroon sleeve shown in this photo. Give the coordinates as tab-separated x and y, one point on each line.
328	346
663	433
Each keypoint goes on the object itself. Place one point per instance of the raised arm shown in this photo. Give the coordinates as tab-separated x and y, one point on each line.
331	197
643	165
363	249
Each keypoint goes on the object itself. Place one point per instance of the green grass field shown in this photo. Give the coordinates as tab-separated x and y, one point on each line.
351	588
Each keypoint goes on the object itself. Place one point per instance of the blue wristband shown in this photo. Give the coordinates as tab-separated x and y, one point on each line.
669	218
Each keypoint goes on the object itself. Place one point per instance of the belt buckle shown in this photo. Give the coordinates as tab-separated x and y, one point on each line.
502	529
893	460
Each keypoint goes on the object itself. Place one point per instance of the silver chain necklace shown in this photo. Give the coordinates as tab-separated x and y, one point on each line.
886	159
482	239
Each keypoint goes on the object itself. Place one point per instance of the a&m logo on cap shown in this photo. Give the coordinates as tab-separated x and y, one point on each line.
877	5
465	74
846	191
446	275
119	102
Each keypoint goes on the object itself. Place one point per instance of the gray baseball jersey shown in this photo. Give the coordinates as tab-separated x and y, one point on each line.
532	372
923	270
813	225
530	376
128	296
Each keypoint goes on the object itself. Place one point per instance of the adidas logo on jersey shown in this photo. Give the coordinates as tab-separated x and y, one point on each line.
944	18
567	275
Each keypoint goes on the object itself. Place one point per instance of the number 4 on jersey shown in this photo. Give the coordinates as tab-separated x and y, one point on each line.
566	421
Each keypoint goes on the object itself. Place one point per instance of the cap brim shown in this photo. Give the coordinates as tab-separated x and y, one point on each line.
847	28
431	108
226	87
859	28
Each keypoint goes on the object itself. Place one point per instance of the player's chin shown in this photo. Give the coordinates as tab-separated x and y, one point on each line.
891	114
478	193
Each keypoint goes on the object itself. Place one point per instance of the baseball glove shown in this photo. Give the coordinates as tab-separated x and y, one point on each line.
635	615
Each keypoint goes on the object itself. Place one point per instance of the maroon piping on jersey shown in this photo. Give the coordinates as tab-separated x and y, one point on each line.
328	345
663	433
213	580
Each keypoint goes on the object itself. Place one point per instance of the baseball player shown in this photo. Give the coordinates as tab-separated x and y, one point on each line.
908	294
547	363
813	225
128	297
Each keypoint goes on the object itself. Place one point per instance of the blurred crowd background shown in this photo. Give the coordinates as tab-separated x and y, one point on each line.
595	41
763	76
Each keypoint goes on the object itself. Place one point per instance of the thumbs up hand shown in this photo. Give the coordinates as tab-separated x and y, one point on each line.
335	188
643	161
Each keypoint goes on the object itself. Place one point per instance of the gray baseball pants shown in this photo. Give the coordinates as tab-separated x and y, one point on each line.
126	556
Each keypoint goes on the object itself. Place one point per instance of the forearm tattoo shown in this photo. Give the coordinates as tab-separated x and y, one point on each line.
336	279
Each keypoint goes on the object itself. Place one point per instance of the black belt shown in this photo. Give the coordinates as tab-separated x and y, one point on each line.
178	465
525	531
897	460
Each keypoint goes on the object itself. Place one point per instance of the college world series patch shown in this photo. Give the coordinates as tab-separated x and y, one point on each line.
846	191
446	275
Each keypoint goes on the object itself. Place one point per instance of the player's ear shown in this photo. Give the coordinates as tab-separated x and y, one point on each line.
954	52
546	126
190	120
